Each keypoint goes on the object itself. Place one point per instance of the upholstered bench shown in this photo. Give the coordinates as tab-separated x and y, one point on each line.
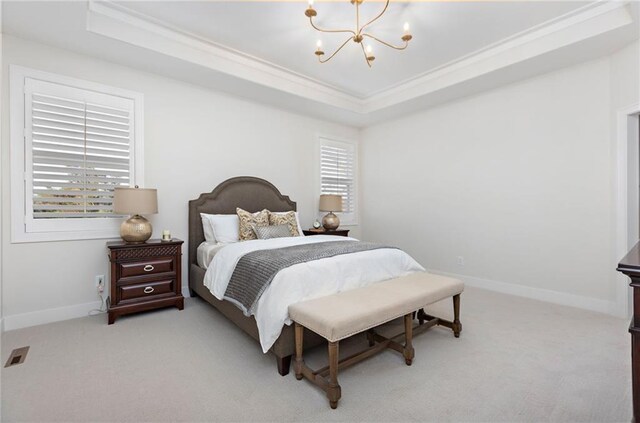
339	316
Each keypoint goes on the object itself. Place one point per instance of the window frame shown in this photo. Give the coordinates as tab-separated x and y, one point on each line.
21	207
346	219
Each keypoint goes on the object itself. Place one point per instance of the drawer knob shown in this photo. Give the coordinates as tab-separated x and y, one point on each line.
148	290
148	268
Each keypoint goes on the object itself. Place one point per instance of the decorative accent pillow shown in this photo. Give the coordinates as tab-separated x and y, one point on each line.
247	220
286	218
272	231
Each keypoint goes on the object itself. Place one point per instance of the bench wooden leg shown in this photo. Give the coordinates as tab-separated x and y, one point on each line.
457	326
371	337
408	350
299	336
333	391
421	318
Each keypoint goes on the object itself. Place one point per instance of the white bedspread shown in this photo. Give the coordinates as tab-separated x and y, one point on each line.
305	280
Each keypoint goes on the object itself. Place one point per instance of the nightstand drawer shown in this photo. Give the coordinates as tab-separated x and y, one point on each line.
146	267
144	290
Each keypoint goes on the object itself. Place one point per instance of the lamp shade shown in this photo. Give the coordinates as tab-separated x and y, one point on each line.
135	201
331	203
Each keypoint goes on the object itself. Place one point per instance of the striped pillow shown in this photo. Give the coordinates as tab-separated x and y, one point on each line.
272	231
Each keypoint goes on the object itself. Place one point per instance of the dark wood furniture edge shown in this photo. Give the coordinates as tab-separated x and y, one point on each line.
630	266
337	232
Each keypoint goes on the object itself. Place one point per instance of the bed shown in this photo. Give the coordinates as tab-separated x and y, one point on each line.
251	194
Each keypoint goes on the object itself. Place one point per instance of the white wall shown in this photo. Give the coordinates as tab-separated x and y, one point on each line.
517	181
625	92
1	171
194	139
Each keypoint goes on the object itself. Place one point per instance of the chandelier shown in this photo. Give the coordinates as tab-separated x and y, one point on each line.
358	36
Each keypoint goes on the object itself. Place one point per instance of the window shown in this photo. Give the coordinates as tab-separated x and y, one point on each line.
72	143
338	169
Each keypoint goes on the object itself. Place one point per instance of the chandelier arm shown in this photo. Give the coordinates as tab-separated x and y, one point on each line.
374	19
406	43
329	30
366	59
335	52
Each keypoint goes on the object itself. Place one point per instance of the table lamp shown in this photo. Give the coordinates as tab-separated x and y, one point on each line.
135	201
331	203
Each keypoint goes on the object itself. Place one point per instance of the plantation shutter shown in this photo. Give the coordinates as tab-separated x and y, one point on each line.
337	172
78	149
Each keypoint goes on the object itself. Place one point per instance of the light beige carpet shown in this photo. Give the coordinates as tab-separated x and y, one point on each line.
517	360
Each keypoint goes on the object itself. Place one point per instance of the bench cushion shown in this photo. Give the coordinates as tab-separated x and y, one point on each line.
341	315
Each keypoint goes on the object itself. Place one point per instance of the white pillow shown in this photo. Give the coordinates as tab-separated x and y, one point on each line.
297	220
226	227
207	228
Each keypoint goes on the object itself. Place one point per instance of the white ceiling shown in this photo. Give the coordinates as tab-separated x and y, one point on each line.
280	33
264	50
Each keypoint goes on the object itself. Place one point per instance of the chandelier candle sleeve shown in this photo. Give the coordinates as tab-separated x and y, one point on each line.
358	35
370	56
319	51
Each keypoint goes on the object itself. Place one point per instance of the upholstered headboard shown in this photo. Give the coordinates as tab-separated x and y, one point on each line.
247	192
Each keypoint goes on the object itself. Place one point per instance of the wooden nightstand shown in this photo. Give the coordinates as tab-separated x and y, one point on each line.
144	276
338	232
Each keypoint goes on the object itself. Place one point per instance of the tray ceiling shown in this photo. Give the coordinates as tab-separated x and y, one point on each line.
280	33
263	50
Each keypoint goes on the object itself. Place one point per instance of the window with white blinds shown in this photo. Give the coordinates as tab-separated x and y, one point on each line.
338	175
79	144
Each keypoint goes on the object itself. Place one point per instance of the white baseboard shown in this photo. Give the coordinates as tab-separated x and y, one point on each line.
556	297
34	318
41	317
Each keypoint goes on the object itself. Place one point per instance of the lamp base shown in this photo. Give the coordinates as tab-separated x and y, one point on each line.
331	221
136	230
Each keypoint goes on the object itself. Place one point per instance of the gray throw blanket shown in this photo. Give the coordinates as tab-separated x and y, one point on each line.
255	270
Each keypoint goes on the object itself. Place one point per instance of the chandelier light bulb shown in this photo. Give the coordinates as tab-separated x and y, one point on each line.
406	27
369	49
310	3
319	44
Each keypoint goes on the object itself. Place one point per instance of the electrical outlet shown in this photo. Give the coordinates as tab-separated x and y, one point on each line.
99	281
461	260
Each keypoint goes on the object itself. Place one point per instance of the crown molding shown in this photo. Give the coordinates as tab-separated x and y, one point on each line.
120	23
572	28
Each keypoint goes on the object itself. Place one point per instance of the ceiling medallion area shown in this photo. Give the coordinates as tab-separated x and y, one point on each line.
358	36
